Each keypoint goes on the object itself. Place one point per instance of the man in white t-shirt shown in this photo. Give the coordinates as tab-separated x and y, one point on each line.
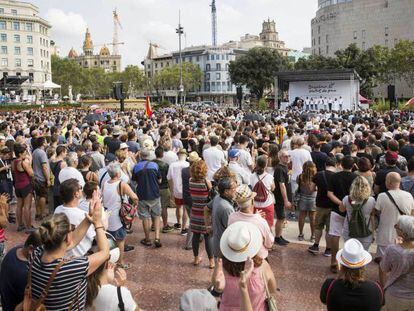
299	155
245	158
169	155
214	157
71	193
242	175
175	183
71	171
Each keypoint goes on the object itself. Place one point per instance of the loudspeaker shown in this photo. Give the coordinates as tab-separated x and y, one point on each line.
239	91
391	93
117	89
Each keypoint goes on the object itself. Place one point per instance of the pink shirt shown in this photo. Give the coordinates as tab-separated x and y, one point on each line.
2	235
230	300
261	223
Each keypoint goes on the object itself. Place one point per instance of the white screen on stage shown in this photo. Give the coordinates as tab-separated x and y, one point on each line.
325	89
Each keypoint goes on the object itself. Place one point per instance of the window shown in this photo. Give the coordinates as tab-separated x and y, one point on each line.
16	50
227	56
222	57
3	37
218	76
156	65
41	64
213	86
31	76
327	49
29	27
208	67
395	41
363	34
319	29
227	67
14	12
30	39
3	25
16	38
168	63
386	31
4	62
1	11
207	77
29	51
16	25
319	51
319	40
327	39
208	57
218	66
207	86
363	45
4	50
96	63
355	35
190	59
30	62
218	86
149	66
18	62
162	65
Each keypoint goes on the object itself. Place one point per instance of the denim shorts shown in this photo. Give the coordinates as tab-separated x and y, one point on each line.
119	234
149	208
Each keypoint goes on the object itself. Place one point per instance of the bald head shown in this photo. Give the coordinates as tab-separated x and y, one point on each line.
392	181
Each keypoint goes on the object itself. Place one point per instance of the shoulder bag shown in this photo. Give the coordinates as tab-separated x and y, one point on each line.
270	300
393	202
121	304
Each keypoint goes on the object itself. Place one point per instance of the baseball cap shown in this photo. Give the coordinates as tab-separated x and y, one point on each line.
123	146
110	157
234	153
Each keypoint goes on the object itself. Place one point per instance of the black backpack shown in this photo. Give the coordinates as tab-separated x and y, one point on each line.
358	227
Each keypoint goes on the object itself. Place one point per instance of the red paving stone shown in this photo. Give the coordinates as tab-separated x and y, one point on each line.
158	277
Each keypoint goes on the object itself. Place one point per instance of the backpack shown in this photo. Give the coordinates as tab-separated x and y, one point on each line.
127	212
358	227
261	190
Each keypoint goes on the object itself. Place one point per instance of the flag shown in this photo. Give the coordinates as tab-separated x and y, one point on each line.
148	109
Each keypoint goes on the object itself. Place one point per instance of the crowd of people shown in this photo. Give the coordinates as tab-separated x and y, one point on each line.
235	182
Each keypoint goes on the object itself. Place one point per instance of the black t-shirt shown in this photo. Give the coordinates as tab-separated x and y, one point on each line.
382	174
319	158
113	145
368	296
339	184
407	152
322	180
13	278
366	155
326	148
281	175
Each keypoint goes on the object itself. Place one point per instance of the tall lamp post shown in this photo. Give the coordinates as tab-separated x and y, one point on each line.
180	31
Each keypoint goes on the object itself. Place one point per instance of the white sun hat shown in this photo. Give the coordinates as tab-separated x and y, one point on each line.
241	240
353	255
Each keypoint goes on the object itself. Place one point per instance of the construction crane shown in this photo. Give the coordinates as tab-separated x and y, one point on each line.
115	40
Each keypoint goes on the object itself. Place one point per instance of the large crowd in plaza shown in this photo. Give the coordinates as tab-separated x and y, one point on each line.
235	180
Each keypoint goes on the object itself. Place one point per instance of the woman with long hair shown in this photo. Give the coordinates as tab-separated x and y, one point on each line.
272	159
351	290
199	191
307	198
22	175
84	166
365	170
56	165
359	198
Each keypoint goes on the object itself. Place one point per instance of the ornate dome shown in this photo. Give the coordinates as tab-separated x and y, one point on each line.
72	53
104	51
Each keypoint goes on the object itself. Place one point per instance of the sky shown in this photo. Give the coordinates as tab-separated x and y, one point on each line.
145	21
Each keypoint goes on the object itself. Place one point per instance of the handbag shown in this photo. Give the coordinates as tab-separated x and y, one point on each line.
127	212
270	300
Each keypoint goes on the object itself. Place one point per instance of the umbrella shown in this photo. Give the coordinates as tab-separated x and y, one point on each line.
93	118
410	102
363	100
93	107
253	117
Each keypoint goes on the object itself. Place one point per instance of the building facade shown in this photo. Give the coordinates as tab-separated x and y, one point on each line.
104	60
338	23
24	45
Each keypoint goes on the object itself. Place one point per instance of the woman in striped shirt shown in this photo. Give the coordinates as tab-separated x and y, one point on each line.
199	189
68	289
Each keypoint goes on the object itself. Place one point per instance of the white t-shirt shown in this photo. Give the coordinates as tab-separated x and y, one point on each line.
214	159
298	158
170	157
174	174
76	216
268	181
71	172
386	233
242	175
245	159
107	299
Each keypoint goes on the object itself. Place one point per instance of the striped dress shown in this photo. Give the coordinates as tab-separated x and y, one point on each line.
199	196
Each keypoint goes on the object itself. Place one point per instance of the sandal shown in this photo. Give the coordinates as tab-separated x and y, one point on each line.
146	242
157	243
197	261
212	264
124	266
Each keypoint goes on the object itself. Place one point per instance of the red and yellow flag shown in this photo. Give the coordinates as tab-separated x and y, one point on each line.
148	109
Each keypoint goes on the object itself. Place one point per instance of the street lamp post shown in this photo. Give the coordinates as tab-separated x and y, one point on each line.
180	31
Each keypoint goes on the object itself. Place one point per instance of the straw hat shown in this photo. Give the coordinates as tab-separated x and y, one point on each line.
194	157
241	240
244	193
353	255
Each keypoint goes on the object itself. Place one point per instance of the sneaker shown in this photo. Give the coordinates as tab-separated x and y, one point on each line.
157	243
327	252
301	237
177	226
184	232
313	249
284	240
167	229
128	248
279	241
312	239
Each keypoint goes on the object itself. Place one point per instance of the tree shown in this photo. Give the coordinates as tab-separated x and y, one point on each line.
66	72
133	78
401	60
257	68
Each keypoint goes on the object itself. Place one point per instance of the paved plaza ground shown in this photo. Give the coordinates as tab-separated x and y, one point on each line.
158	277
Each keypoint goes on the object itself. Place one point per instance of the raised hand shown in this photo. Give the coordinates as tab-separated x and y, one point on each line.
120	277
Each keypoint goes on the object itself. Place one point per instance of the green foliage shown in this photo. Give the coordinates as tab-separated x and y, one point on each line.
12	107
262	104
163	104
384	106
257	68
94	82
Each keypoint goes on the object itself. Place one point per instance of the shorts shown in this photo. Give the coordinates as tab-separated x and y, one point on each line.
165	196
24	192
322	218
269	213
40	188
306	203
336	224
149	208
119	235
178	202
280	212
